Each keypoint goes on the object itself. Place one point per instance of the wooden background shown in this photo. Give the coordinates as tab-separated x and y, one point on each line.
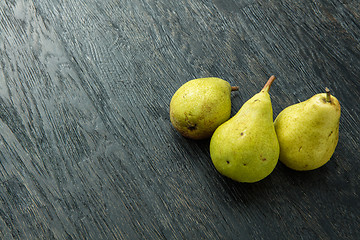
87	150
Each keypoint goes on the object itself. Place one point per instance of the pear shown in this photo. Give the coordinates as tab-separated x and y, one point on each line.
308	132
200	105
245	148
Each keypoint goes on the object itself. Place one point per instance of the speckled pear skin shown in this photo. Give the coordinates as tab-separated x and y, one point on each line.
199	106
245	148
308	132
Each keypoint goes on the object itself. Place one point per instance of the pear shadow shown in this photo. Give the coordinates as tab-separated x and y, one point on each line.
283	182
307	179
248	194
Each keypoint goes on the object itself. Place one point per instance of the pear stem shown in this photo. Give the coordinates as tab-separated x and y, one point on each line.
234	88
328	95
268	84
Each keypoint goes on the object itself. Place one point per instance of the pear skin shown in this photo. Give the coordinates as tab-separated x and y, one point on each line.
245	148
200	105
308	132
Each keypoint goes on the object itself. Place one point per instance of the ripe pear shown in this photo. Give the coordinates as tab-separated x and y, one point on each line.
245	148
308	132
200	105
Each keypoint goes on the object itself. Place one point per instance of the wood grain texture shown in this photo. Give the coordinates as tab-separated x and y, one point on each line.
87	150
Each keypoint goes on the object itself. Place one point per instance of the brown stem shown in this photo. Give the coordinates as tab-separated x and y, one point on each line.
328	95
234	88
268	84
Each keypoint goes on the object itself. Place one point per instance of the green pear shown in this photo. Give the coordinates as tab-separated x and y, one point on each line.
245	148
200	105
308	132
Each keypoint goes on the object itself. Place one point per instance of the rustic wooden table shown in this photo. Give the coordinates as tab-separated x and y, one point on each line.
87	150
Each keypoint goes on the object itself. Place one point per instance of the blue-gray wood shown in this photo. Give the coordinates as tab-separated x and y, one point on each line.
87	150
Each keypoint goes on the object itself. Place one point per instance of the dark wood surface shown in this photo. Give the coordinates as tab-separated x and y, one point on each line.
87	150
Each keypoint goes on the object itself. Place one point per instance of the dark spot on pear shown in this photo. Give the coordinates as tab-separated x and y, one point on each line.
192	127
330	133
241	133
263	159
300	148
244	164
256	100
227	162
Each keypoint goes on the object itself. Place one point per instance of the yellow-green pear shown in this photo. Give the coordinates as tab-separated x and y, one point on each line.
245	148
200	105
308	132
